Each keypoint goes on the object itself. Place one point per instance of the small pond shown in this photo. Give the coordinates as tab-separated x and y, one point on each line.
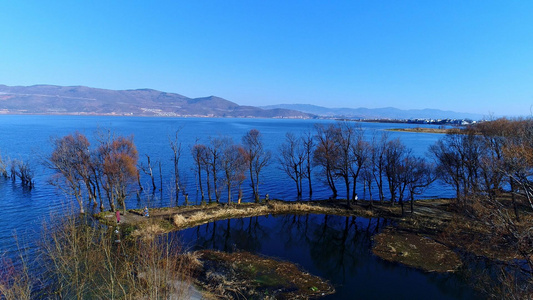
333	247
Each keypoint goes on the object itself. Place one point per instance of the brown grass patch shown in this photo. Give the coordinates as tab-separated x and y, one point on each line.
415	251
244	275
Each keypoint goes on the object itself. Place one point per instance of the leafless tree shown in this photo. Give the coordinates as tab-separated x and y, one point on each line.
149	171
198	153
175	145
257	158
327	154
291	159
3	167
345	138
233	165
309	147
361	152
458	158
395	154
215	153
70	160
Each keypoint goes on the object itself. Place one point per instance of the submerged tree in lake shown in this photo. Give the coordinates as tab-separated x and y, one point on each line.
148	170
3	167
257	158
175	145
69	160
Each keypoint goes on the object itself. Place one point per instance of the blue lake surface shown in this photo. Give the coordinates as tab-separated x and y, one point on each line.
24	211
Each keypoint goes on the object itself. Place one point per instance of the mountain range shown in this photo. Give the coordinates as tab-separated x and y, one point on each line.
376	113
82	100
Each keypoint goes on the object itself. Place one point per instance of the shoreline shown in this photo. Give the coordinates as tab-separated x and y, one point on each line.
434	219
427	130
426	239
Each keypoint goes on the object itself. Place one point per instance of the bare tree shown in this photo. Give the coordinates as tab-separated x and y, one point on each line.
419	174
394	155
149	171
198	155
215	154
327	154
69	160
308	145
380	163
458	159
233	164
3	167
344	137
291	160
206	159
175	145
361	152
257	158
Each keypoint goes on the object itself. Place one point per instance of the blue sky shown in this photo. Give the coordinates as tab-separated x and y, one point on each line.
466	56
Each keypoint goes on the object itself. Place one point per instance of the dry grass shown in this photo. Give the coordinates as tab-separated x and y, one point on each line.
15	283
85	261
191	218
243	275
415	251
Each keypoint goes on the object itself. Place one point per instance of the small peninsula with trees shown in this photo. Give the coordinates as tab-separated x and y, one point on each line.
488	165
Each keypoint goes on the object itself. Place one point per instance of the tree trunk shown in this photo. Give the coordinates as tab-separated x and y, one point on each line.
515	208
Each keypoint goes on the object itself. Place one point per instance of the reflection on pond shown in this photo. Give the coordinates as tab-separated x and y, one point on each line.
333	247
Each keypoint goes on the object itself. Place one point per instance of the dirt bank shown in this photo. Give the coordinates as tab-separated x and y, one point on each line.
243	275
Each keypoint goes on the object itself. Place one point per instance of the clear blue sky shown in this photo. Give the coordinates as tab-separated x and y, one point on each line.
466	56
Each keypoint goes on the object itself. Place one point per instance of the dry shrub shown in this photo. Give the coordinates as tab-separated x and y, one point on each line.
15	283
87	260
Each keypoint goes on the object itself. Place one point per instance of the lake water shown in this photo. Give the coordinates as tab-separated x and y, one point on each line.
28	138
336	248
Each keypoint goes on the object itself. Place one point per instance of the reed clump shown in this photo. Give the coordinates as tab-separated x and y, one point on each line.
87	260
15	283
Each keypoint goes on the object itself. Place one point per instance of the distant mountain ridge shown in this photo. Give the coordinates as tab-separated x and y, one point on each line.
82	100
377	113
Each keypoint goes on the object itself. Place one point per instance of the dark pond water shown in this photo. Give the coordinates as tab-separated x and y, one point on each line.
24	211
336	248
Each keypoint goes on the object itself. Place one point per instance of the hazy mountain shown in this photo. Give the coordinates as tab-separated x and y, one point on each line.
377	113
51	99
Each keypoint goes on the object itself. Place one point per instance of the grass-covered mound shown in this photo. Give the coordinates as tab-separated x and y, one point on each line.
243	275
415	251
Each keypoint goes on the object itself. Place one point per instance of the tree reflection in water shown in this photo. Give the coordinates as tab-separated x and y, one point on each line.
333	247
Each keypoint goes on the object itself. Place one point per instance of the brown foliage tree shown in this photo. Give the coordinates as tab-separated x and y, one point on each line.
119	168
